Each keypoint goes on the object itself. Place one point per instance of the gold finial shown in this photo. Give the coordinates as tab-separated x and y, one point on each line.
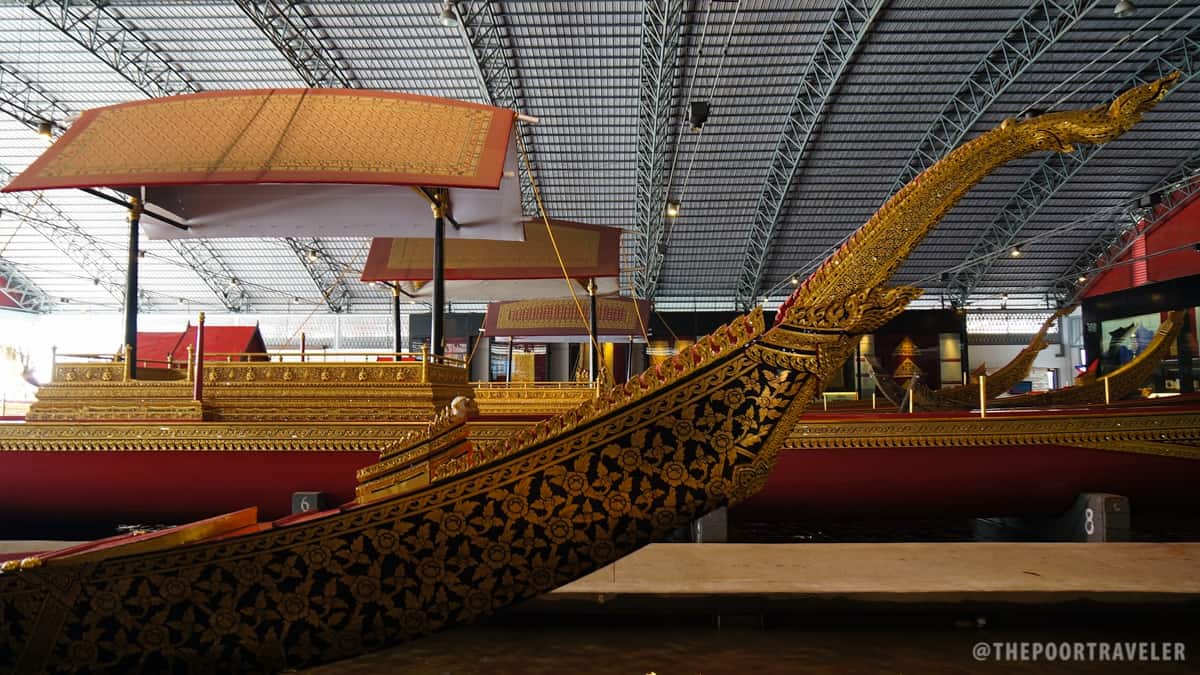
135	208
439	203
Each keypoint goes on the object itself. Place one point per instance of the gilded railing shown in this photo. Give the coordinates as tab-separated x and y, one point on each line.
496	398
285	368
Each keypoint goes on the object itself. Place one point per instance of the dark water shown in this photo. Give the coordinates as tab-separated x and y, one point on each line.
761	644
1144	528
746	530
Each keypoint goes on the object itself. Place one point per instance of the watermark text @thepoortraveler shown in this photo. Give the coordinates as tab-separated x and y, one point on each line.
1077	650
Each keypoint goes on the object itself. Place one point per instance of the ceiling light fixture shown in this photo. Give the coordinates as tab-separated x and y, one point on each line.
698	114
673	208
448	18
313	255
1124	8
795	281
1081	279
46	130
1015	252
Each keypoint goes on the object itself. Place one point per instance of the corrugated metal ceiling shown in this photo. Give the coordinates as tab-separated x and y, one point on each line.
576	66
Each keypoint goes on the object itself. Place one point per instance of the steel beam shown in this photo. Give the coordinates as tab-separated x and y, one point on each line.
326	273
662	22
290	26
844	32
1055	171
87	252
203	259
1028	38
102	31
1176	188
20	290
28	103
482	28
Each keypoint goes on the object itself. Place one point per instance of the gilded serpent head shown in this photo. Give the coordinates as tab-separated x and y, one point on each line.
1060	131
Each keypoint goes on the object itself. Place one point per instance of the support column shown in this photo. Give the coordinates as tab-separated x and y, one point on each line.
436	336
594	349
558	354
950	359
964	359
481	363
866	349
396	346
131	286
628	360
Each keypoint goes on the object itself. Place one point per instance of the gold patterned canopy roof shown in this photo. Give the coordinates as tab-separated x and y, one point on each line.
286	162
279	136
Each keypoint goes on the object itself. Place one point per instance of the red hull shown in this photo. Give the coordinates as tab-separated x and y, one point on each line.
966	481
923	478
102	489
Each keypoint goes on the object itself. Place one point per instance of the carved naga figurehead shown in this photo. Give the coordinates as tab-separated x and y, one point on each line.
1060	131
846	284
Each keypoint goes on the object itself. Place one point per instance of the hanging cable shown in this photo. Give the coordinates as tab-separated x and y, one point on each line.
690	91
324	297
687	178
1079	71
1127	56
537	196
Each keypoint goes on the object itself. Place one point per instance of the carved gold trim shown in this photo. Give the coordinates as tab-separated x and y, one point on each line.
1158	448
1121	433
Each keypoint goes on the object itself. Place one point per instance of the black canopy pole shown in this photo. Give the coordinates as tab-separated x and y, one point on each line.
594	366
131	287
436	336
395	285
117	200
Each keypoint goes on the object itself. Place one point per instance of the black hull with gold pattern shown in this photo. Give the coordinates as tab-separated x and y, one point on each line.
376	574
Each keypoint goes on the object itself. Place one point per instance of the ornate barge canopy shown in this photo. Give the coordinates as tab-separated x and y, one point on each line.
294	162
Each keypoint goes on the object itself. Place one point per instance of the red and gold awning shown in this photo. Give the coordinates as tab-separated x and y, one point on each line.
283	162
559	318
588	251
